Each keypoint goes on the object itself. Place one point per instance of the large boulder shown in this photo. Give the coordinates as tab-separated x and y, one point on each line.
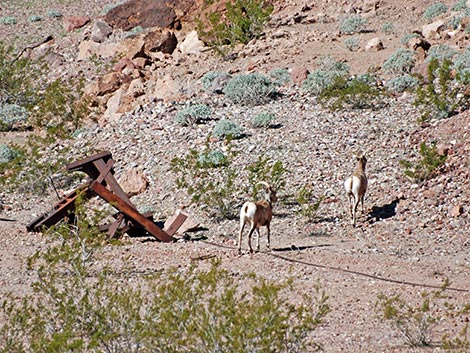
151	13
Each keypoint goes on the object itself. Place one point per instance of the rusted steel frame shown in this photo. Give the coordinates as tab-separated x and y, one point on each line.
63	208
130	212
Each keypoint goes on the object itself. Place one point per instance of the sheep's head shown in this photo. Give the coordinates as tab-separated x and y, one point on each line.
270	192
362	160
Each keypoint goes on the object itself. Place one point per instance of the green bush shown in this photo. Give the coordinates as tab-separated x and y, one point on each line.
353	24
428	166
388	28
460	5
212	159
359	92
402	83
352	43
435	10
441	52
224	129
280	76
401	61
329	70
414	319
74	309
35	18
308	204
8	20
243	21
251	89
12	116
211	77
461	65
194	114
54	13
440	96
209	179
7	153
264	119
265	169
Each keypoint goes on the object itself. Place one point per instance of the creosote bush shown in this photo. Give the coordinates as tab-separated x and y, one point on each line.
243	21
75	308
267	170
414	319
209	179
307	202
428	166
359	92
194	114
441	96
250	89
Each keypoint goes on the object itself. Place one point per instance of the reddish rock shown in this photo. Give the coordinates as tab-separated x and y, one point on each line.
122	64
299	75
133	182
150	13
109	83
161	40
74	22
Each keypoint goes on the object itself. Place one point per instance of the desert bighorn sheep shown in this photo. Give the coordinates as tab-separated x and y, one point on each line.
257	214
356	187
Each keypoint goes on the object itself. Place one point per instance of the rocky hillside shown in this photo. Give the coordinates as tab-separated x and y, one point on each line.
144	67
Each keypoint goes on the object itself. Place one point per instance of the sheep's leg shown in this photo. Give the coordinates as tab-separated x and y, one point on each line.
242	226
268	227
252	229
356	203
362	203
257	239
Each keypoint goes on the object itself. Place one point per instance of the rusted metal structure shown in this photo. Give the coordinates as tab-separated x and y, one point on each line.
99	168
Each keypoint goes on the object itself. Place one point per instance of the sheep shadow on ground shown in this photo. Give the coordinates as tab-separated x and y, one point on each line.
382	212
299	248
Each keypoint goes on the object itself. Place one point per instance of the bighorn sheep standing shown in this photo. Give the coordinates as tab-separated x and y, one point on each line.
356	187
257	214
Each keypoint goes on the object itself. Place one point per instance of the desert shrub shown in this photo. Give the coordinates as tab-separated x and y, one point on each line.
250	89
8	20
209	179
194	114
227	129
176	310
435	10
212	159
440	96
280	76
388	28
441	52
211	77
353	24
414	319
461	65
243	21
401	61
12	116
54	13
402	83
352	93
329	70
428	166
264	119
7	153
406	38
265	169
459	5
309	205
133	32
35	18
352	43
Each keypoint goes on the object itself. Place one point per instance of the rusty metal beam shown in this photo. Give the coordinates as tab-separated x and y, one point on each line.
130	212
